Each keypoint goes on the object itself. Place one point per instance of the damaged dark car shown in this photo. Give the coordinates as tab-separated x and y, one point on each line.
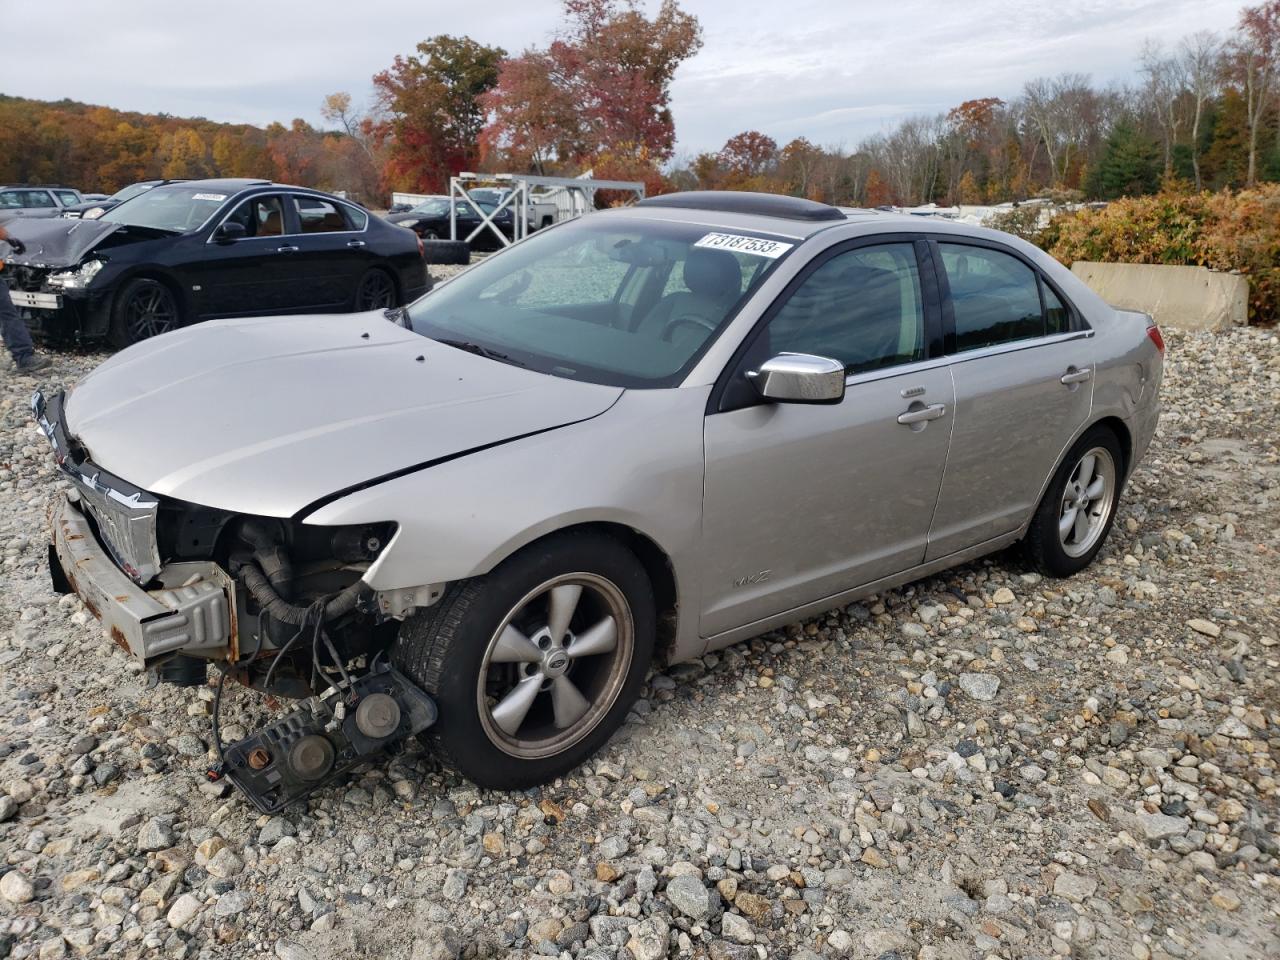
185	252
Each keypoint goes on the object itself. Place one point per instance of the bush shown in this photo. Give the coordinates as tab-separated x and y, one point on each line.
1022	221
1223	231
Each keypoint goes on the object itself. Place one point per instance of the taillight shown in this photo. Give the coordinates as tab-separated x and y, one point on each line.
422	252
1154	333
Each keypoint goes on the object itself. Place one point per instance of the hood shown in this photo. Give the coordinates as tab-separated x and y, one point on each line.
58	242
266	416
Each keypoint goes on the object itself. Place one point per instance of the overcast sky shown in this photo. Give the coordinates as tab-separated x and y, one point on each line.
833	71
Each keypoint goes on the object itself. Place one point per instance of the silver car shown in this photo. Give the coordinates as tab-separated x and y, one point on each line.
641	435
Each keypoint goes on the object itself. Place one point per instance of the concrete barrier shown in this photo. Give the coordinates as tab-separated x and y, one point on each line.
1183	298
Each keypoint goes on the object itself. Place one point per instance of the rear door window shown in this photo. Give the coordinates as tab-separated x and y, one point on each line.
319	216
994	295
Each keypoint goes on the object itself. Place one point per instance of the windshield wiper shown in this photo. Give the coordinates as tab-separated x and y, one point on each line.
480	351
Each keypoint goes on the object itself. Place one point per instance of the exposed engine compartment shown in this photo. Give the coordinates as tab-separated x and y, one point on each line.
303	614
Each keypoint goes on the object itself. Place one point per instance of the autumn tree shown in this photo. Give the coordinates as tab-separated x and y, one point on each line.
535	120
599	93
185	155
1201	58
747	158
1165	89
799	165
433	111
1255	64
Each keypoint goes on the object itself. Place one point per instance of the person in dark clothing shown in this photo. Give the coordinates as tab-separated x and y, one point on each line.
14	332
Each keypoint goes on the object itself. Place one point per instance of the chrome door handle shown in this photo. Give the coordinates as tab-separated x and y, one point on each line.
355	244
922	414
286	249
1076	376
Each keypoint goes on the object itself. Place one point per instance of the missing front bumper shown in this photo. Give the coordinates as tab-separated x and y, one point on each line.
191	609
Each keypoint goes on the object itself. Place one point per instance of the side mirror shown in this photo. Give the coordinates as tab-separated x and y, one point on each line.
800	378
229	231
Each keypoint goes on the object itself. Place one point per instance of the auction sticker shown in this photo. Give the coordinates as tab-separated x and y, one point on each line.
736	243
219	197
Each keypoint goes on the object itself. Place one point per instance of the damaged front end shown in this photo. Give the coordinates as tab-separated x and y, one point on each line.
55	283
277	605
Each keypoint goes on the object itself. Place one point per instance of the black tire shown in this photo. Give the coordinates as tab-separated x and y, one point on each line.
376	290
143	308
446	252
1043	546
445	647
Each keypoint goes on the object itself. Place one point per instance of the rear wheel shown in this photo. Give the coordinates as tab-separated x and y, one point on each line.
375	291
1078	509
144	308
534	665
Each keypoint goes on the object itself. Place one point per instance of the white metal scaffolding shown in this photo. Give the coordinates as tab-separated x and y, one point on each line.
579	192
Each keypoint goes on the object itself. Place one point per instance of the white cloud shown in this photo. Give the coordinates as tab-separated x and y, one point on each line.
833	72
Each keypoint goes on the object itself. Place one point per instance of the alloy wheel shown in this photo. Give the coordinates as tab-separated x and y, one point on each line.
150	312
555	665
1087	502
376	292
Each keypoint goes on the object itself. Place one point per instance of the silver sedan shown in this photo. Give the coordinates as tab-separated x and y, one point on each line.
644	434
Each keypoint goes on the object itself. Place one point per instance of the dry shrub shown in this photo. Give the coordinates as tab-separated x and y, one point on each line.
1225	231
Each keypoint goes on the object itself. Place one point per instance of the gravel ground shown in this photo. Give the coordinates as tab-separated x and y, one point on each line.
983	764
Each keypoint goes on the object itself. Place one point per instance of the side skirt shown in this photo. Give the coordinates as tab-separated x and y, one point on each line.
730	637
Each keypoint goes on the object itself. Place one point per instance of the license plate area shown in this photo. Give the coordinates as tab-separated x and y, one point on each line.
36	301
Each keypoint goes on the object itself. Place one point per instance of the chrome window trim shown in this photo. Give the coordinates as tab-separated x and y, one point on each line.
884	373
1014	346
280	236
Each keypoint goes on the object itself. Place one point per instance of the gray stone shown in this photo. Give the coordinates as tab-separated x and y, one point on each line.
688	895
611	848
155	834
292	950
1073	887
231	904
455	885
1157	826
184	910
16	888
980	686
737	929
275	830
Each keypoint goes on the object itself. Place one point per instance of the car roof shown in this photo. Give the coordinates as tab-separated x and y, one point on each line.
723	210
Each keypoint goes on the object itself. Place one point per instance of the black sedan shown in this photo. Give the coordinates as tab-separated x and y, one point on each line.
430	221
185	252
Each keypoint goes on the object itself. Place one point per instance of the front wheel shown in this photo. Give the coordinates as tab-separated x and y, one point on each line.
144	308
1075	516
534	665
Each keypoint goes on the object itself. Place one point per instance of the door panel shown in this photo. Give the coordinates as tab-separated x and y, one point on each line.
246	276
330	256
802	501
1013	420
1014	413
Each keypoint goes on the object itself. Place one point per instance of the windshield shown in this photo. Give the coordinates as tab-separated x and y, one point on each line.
131	191
179	209
620	301
434	207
